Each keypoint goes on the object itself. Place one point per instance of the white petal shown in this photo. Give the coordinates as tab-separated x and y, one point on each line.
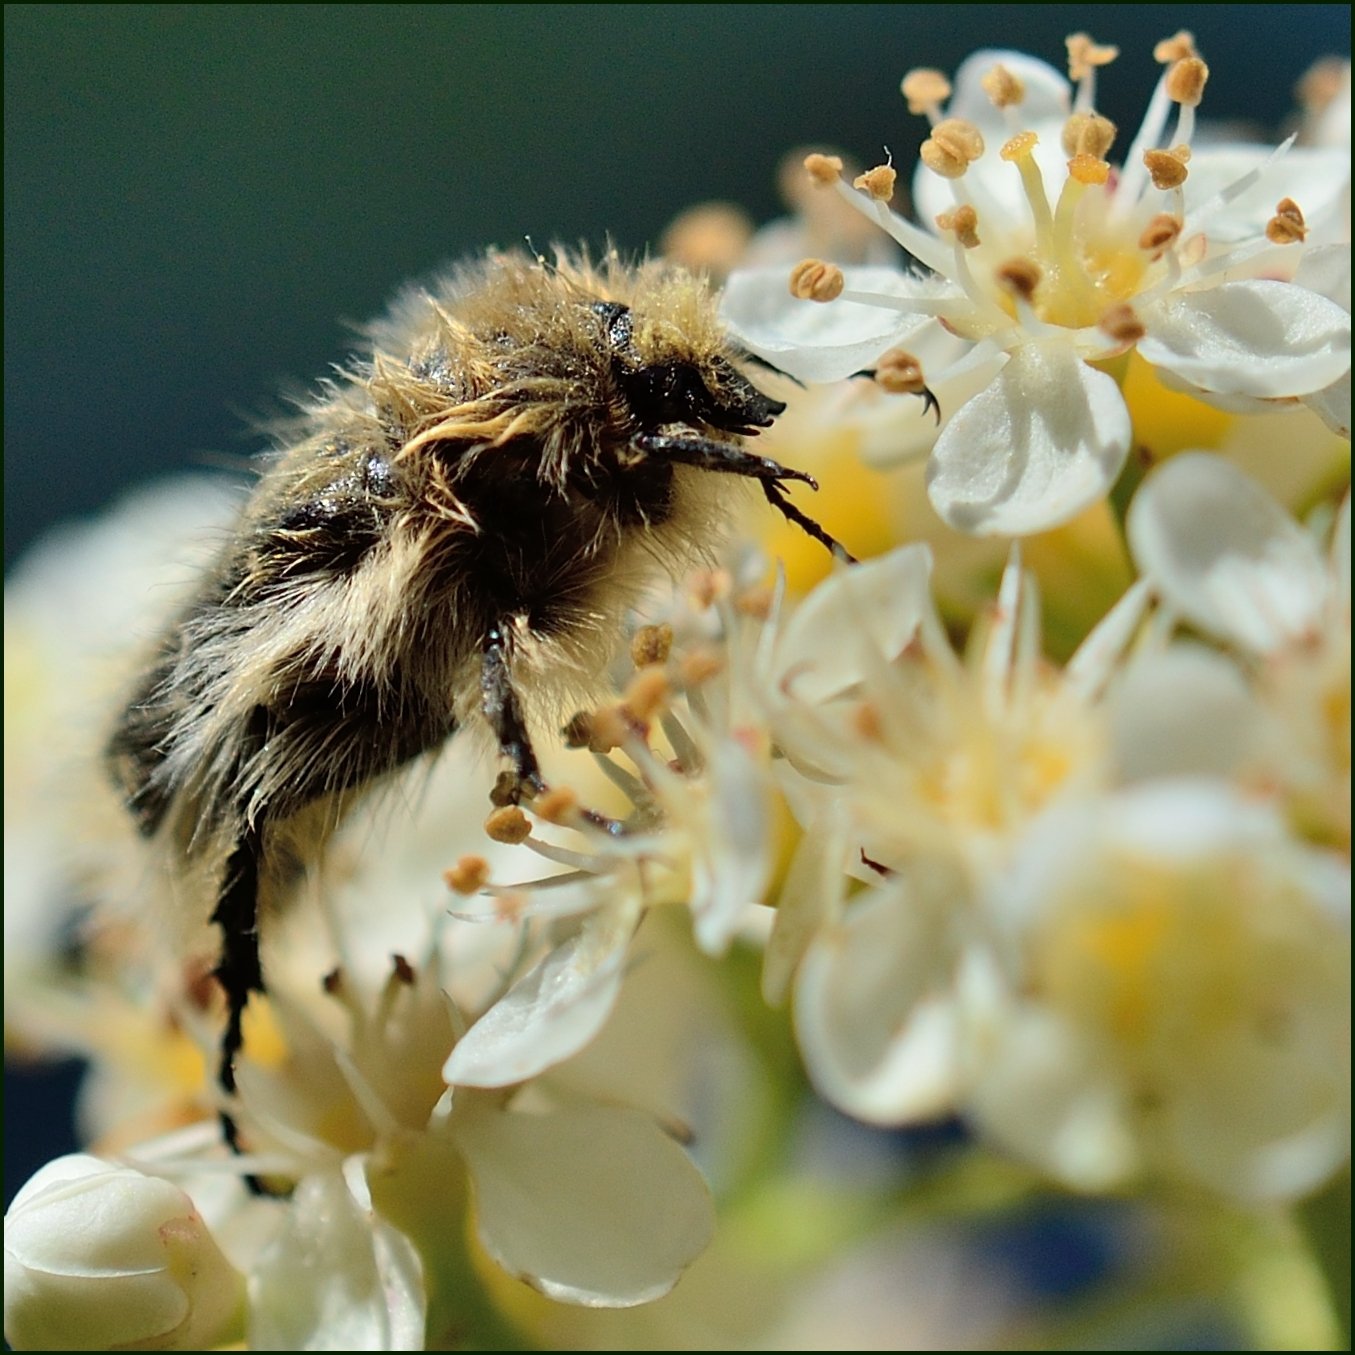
1185	711
1043	442
852	622
875	1013
552	1011
733	858
336	1278
1332	405
1257	338
820	341
590	1205
1224	554
810	898
1315	179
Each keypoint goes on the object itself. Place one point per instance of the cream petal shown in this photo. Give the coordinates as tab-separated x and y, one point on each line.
1256	338
1182	712
337	1277
875	1013
851	623
590	1205
1044	441
1224	554
821	341
552	1011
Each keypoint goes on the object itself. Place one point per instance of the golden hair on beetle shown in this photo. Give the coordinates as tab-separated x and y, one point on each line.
450	536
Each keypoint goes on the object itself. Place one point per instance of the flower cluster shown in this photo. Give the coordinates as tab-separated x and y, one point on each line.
1048	836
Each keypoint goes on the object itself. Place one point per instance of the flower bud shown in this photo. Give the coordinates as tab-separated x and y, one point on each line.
101	1257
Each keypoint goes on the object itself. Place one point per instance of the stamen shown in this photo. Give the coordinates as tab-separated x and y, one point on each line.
508	825
1287	226
878	182
964	221
866	723
1167	169
578	733
756	602
1020	150
899	373
559	805
952	147
1084	56
646	695
711	237
824	170
699	666
1122	324
1185	86
651	645
1321	83
469	876
609	728
1160	234
1088	134
1002	87
815	280
925	90
1175	48
1020	277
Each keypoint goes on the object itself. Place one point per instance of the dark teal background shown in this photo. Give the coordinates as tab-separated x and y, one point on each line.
197	196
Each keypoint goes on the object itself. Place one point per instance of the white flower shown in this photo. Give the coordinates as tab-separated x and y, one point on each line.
1224	556
101	1257
1179	1004
1045	258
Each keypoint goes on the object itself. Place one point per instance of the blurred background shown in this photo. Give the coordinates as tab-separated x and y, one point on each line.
200	199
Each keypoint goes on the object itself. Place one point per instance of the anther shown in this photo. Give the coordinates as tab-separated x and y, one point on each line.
710	237
925	90
1020	277
609	728
815	280
824	170
651	644
1167	169
1122	324
699	666
1088	134
1084	55
756	602
402	971
1088	169
578	733
952	147
1004	89
1287	226
878	182
508	825
469	876
1186	80
964	221
559	806
1180	45
646	695
332	983
899	373
865	721
1159	234
1321	83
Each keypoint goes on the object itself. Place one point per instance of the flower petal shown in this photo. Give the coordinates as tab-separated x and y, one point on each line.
874	1010
337	1277
1224	554
1043	442
820	341
1257	338
852	622
591	1205
552	1011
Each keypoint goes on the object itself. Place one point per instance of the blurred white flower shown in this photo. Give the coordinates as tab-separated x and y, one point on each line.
102	1257
1179	1005
1044	259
